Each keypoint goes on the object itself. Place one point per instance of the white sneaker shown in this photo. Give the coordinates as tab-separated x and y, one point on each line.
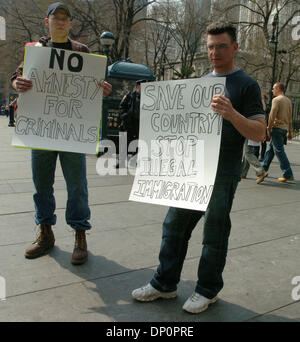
148	293
197	303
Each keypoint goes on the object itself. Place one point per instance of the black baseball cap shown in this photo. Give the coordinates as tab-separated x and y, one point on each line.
58	5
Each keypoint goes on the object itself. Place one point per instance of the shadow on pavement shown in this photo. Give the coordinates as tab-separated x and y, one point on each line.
112	284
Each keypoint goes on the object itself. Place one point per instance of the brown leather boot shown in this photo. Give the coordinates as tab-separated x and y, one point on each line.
80	253
43	243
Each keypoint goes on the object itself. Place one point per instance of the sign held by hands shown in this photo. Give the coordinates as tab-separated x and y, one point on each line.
62	111
179	143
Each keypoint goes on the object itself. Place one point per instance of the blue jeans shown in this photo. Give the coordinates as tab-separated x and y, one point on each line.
177	230
250	157
73	165
276	146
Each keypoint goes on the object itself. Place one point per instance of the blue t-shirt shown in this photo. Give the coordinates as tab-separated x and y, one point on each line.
245	96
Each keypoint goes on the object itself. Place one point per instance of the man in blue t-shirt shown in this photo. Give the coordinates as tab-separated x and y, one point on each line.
241	109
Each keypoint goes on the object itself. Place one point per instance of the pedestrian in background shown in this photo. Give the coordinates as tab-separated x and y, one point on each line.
279	127
250	157
266	108
130	117
130	112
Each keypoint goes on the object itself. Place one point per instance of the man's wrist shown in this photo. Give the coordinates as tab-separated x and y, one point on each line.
234	116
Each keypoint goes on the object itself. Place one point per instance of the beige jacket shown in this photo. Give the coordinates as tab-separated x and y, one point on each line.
281	113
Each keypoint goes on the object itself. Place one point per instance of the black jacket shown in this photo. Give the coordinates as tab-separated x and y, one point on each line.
130	115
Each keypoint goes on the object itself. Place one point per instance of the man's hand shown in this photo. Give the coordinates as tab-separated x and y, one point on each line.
223	106
107	87
253	129
22	84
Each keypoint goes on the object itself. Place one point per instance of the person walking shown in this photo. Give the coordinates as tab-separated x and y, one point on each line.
266	108
250	157
243	116
43	163
251	153
279	127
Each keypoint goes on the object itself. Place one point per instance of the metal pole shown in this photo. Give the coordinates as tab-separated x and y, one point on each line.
275	41
273	71
106	51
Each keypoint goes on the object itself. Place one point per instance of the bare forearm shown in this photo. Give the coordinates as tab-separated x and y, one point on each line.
253	129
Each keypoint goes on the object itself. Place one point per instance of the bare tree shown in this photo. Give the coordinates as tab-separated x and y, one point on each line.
157	38
23	24
24	19
187	30
118	16
268	42
90	19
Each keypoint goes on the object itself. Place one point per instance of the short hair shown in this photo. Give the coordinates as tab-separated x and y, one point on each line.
222	27
281	86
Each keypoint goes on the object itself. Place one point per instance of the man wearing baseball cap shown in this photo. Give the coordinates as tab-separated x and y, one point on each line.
43	163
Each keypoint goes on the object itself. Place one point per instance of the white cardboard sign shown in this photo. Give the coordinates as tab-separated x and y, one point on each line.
179	143
62	110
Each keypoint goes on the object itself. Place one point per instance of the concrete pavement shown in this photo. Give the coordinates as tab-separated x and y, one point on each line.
263	255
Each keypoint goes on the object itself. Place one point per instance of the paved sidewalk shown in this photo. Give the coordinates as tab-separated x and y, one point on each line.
123	251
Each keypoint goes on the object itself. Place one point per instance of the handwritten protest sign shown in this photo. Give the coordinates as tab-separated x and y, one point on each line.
179	143
62	111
